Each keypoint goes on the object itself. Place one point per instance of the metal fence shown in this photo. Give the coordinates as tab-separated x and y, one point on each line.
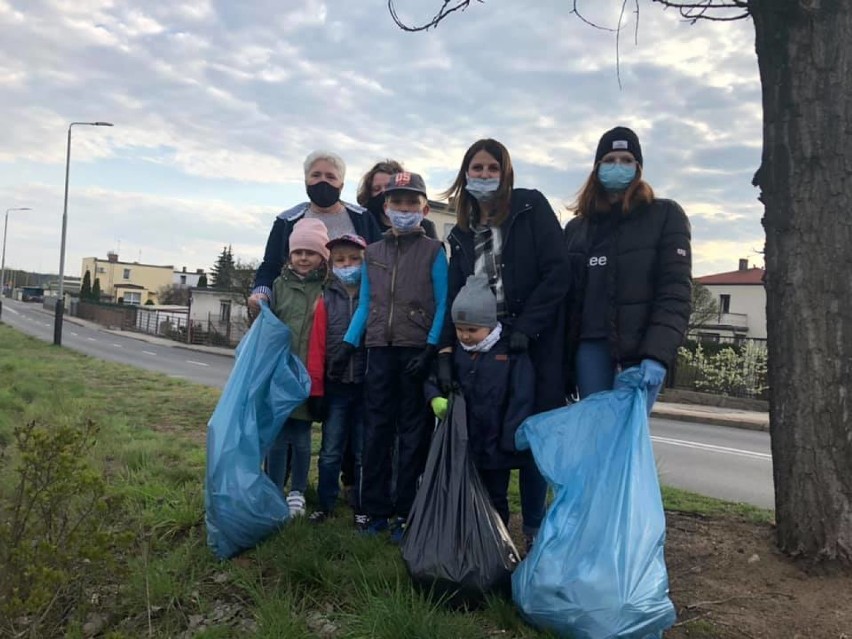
176	325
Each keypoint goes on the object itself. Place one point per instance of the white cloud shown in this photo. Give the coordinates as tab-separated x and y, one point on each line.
234	95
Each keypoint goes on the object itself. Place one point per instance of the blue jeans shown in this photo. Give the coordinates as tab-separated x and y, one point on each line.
533	490
596	371
344	421
295	437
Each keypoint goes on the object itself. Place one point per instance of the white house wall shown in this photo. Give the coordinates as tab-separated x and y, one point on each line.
749	299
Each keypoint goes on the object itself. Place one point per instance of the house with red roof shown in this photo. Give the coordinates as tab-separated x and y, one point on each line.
741	298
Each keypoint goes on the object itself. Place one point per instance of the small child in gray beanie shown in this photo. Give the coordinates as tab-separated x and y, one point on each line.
475	304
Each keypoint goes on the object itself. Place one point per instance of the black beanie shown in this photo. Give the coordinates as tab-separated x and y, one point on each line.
619	139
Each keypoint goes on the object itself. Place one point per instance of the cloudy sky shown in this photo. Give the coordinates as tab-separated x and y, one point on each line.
216	103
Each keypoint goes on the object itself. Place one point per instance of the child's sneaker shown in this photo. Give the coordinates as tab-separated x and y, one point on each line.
397	528
296	503
374	526
361	522
318	516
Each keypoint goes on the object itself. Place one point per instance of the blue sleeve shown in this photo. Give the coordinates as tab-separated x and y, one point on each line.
359	321
439	290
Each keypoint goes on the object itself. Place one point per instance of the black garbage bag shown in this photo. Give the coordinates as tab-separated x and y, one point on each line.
455	545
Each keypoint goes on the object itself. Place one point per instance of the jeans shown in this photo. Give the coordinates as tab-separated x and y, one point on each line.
596	371
344	423
295	437
533	489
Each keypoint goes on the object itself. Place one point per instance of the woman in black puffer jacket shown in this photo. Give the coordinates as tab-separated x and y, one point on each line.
632	273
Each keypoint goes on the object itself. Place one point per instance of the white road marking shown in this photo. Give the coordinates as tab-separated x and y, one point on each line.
91	339
12	311
712	448
149	353
46	324
189	361
74	334
118	345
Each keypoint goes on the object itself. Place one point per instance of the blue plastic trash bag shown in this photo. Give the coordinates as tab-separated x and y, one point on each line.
267	382
597	569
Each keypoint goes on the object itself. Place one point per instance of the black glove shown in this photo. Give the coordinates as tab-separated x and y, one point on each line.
418	366
337	365
317	408
518	342
445	374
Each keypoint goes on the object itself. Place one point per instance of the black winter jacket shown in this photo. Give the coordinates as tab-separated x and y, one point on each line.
536	278
649	283
340	307
278	244
499	392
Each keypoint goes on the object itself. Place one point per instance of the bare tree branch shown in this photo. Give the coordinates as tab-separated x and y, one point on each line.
447	7
714	10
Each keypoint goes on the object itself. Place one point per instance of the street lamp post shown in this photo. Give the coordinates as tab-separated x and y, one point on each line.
3	264
59	309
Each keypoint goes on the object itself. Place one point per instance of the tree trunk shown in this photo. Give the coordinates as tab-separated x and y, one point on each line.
804	50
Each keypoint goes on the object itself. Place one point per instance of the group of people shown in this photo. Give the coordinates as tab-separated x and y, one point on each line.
522	317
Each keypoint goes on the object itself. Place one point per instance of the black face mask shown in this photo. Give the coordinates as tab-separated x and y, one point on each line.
323	194
376	205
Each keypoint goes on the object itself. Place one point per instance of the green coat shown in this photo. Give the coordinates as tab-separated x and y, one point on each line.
294	301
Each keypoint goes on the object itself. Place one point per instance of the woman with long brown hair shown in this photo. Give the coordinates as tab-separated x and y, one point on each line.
631	260
511	236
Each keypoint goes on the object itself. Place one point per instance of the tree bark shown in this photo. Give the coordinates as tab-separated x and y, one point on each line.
804	50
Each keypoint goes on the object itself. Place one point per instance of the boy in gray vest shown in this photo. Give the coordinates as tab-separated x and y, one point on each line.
400	316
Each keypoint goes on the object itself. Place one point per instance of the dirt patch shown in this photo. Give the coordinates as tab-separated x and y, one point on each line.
727	580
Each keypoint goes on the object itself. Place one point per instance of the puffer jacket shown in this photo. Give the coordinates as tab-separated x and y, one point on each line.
649	283
499	391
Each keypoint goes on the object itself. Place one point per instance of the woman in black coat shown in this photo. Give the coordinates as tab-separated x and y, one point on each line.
512	237
631	260
324	175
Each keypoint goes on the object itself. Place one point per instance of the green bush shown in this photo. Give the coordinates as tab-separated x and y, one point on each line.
54	536
737	373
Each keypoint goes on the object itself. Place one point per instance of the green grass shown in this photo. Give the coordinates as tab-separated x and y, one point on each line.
307	581
683	501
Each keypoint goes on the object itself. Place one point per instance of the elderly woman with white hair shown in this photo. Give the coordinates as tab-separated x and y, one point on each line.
324	175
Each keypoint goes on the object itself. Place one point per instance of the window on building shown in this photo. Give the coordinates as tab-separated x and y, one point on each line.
724	303
225	311
133	297
127	273
183	280
101	269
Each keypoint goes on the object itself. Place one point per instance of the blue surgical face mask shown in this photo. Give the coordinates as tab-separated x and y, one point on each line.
349	275
616	177
482	188
404	221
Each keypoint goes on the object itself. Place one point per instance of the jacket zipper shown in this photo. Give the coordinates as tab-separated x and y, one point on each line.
389	332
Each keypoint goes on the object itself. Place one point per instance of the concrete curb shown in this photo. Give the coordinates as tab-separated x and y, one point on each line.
711	419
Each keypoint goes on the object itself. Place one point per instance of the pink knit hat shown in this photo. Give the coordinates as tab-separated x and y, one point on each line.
310	235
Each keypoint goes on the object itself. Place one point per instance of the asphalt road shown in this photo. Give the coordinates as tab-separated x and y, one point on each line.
717	461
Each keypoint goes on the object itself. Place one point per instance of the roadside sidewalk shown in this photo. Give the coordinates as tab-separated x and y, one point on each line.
735	418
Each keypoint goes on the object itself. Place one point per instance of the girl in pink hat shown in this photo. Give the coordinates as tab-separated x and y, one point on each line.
297	301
